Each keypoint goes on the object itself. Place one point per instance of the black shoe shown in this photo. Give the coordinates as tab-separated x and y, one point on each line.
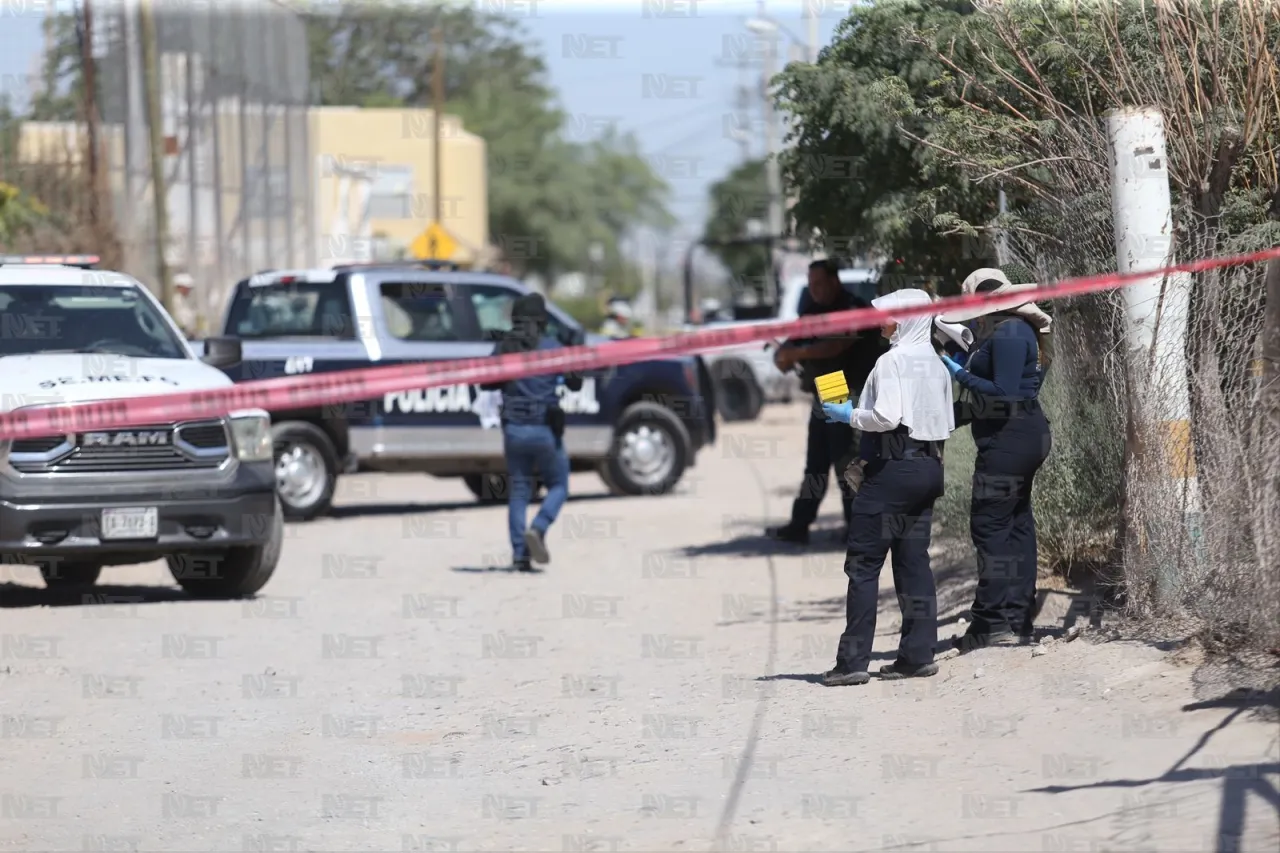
897	670
523	566
966	643
536	545
845	678
789	533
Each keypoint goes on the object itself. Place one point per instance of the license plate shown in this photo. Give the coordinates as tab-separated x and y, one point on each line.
140	522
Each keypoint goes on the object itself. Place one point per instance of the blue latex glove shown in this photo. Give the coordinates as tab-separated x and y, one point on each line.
838	413
953	367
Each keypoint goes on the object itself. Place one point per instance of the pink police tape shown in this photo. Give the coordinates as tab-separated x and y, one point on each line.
351	386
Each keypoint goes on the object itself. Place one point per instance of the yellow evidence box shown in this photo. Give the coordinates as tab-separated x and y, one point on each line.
832	387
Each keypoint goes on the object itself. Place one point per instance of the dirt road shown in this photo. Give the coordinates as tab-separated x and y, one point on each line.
654	690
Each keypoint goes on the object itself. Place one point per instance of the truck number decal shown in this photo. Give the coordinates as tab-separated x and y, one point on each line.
451	398
582	402
299	364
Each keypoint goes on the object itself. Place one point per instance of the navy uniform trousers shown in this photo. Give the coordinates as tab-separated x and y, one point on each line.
893	515
828	446
1010	452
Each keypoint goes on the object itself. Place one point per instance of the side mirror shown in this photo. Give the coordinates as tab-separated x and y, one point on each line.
222	352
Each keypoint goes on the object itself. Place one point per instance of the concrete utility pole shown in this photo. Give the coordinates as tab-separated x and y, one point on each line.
437	115
159	188
1157	307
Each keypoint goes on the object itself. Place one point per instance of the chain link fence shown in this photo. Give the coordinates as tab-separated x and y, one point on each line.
234	90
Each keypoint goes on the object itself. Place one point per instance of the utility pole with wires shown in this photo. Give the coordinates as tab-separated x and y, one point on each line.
89	77
437	115
159	187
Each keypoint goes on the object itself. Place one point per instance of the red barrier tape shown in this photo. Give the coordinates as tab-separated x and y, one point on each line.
318	390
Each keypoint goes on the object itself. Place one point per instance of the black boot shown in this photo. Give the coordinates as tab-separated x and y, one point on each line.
841	677
898	670
789	533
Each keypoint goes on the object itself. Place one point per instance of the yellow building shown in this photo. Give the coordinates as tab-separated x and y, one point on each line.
374	190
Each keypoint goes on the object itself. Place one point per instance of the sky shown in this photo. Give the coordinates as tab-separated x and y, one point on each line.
663	69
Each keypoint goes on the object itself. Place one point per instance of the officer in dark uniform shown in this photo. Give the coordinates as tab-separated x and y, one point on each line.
829	445
532	435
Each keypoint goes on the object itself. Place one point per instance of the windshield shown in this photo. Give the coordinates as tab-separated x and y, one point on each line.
294	310
46	319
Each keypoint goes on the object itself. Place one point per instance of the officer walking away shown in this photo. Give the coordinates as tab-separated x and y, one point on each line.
1000	383
905	414
828	445
532	435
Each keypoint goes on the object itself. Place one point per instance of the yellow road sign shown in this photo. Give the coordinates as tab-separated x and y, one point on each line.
433	244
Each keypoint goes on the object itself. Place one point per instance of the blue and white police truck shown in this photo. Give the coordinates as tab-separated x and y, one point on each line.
199	493
640	425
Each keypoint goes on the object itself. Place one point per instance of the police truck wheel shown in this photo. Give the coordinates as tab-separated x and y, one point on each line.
488	488
59	575
234	573
738	395
650	451
494	488
306	469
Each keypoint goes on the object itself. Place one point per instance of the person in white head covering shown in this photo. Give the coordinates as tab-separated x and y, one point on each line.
1001	382
905	414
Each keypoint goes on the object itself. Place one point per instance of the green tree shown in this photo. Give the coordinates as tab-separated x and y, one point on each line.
60	94
544	191
861	182
736	199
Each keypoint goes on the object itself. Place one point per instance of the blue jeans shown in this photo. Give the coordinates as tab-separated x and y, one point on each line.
532	454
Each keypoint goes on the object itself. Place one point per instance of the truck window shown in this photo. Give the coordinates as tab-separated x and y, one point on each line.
493	313
294	310
36	319
418	312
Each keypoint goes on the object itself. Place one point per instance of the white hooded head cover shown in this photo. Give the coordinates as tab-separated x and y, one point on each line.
909	385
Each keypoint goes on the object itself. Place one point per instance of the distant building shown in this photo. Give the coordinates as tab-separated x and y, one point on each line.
373	176
366	196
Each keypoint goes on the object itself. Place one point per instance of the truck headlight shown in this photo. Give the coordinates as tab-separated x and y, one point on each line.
251	437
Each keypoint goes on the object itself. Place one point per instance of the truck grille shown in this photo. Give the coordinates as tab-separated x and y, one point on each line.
171	447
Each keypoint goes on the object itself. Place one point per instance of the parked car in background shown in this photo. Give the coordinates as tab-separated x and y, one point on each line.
745	376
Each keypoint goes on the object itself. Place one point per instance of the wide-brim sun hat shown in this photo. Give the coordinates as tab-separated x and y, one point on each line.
1004	287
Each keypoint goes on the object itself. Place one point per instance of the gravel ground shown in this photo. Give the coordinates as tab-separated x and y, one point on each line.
654	690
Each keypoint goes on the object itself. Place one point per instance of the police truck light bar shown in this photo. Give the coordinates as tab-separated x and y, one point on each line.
82	261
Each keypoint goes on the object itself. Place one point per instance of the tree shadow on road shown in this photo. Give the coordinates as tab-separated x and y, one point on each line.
955	579
1238	780
103	595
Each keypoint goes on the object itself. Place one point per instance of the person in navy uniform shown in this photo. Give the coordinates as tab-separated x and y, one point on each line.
905	414
532	435
1000	381
828	445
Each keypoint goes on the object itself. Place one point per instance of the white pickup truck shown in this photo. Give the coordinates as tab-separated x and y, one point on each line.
745	376
198	493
